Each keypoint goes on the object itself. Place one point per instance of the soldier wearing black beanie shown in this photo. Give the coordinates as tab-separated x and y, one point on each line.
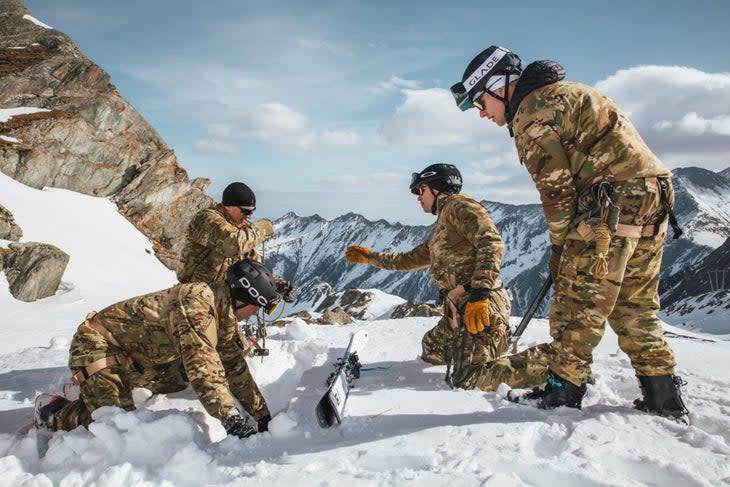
238	194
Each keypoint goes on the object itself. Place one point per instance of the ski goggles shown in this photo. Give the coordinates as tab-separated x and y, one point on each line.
417	182
461	97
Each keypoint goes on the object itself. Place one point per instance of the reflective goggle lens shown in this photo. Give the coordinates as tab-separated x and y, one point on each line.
414	183
461	97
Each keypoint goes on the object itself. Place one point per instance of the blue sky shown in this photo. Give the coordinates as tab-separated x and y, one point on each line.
327	107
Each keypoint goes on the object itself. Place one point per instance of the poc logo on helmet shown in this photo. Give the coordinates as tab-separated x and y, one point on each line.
253	292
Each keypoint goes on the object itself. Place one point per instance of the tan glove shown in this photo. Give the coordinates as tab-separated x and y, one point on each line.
556	251
357	254
265	227
476	316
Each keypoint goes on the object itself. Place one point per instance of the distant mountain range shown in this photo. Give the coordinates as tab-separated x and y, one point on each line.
312	248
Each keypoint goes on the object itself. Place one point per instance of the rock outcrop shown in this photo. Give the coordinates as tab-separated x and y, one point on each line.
34	270
74	130
409	308
9	230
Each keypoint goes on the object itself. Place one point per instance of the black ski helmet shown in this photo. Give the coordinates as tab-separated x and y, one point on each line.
445	178
492	61
252	283
238	194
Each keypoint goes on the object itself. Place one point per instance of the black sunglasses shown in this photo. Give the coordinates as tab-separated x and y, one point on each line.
247	211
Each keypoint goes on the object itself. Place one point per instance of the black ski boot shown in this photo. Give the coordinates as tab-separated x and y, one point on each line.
557	392
662	396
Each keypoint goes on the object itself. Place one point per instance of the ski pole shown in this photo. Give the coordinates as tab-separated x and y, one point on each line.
530	312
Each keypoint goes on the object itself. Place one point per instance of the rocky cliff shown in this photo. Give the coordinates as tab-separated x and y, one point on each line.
72	129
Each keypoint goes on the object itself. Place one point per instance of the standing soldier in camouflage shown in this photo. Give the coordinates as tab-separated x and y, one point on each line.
221	235
607	200
164	340
463	255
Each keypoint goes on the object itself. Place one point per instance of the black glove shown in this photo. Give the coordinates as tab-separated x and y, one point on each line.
263	423
238	426
288	292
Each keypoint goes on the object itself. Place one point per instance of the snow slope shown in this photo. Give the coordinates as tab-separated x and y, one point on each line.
404	425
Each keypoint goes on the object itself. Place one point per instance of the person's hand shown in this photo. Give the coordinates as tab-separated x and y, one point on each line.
288	292
265	227
236	425
556	252
263	423
476	316
357	254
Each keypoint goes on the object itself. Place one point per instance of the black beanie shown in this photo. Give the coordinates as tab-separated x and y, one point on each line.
238	194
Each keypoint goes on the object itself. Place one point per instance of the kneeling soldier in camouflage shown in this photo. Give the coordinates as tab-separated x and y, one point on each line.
164	340
463	254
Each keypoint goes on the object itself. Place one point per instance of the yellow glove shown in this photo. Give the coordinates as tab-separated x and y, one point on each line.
357	254
476	316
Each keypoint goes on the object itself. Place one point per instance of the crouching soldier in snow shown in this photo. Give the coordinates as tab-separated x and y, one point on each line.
221	235
164	340
463	254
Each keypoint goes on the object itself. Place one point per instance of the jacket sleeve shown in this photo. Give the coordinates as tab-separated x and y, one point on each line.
473	222
213	231
196	332
417	258
241	382
541	151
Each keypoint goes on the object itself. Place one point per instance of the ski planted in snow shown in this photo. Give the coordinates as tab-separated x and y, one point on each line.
331	407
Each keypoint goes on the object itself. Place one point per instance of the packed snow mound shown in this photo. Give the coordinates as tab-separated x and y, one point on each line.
403	424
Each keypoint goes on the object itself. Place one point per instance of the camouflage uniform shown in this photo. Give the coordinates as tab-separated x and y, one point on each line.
162	341
214	242
570	137
464	249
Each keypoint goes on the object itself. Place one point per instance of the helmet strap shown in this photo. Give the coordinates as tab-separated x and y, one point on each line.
504	99
435	199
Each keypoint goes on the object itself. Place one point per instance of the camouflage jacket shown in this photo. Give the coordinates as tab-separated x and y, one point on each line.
214	242
191	326
464	247
569	137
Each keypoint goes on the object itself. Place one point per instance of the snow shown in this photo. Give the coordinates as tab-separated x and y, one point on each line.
8	139
7	113
404	425
36	21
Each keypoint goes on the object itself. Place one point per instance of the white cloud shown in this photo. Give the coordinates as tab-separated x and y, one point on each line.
395	84
682	113
430	118
275	124
216	145
694	124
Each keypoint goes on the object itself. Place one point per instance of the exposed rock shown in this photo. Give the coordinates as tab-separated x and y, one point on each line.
336	316
9	230
353	302
416	309
305	315
34	270
91	140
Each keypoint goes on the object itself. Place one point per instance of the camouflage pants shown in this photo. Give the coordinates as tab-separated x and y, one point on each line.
443	342
627	298
111	386
522	370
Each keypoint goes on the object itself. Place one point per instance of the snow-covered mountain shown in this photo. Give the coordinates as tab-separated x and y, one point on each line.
306	248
